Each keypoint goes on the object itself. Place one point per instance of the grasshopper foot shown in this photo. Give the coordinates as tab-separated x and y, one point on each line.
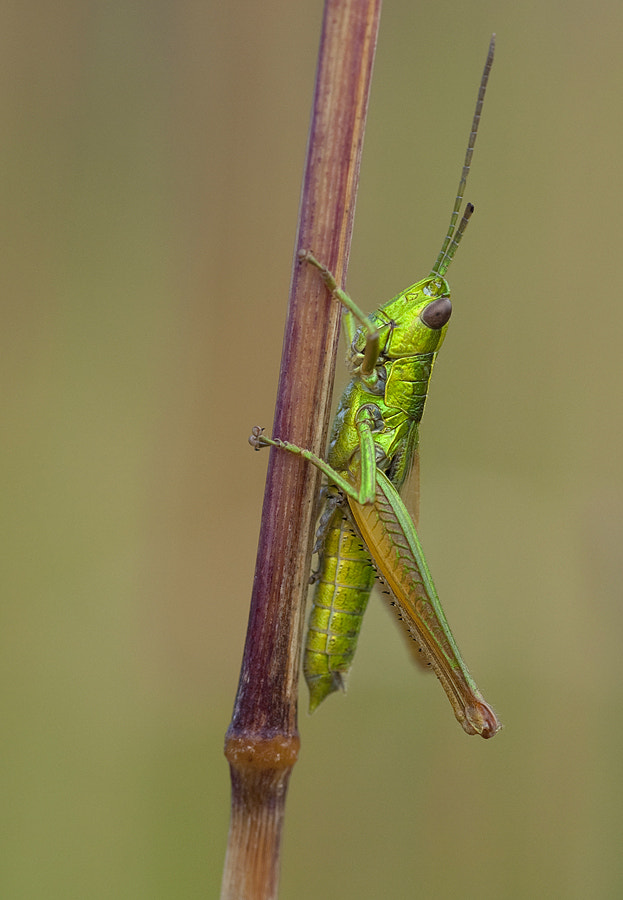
328	278
255	438
305	255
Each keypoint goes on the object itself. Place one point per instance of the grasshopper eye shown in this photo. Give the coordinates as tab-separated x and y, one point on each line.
437	313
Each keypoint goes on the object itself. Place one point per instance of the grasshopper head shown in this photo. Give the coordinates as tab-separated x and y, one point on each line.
415	321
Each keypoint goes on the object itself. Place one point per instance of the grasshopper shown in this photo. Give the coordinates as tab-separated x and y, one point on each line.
365	530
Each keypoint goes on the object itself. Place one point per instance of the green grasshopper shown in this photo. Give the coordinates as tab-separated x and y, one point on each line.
365	530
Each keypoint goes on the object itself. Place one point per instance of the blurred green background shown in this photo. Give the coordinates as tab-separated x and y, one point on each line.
152	155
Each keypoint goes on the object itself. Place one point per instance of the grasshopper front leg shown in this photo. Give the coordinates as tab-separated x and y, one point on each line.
353	314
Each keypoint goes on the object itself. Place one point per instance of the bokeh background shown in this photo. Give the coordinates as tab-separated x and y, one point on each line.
152	157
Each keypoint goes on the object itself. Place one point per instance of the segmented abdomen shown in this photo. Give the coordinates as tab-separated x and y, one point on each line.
342	592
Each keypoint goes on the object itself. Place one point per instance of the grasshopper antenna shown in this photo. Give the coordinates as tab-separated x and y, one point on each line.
455	234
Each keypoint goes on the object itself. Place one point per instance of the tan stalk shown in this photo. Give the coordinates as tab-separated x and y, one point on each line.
262	741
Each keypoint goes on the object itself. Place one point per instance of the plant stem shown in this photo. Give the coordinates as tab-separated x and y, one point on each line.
262	741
